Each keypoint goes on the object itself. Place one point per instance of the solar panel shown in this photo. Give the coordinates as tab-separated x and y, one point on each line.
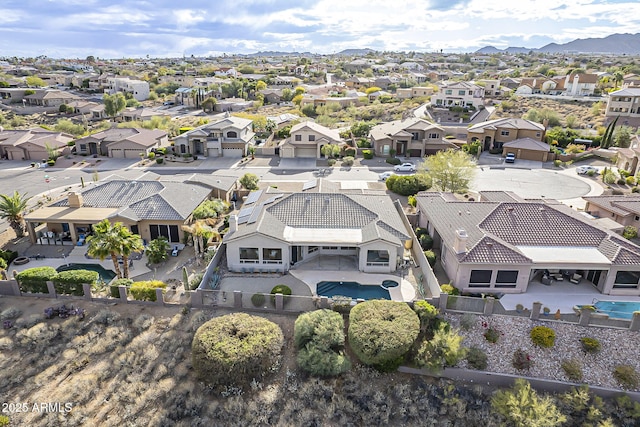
310	184
272	199
253	197
244	214
256	213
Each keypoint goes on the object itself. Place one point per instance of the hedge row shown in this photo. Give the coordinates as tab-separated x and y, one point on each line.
70	282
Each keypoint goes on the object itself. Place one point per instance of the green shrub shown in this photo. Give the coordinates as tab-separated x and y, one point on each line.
235	349
51	162
468	321
113	287
382	331
627	376
590	345
258	300
412	201
407	185
557	163
521	360
350	152
35	279
70	282
426	313
426	242
443	349
319	339
280	289
572	369
367	154
543	336
331	162
635	189
347	161
341	304
477	358
431	257
448	289
630	232
151	155
159	160
8	256
421	231
630	180
146	289
393	161
492	335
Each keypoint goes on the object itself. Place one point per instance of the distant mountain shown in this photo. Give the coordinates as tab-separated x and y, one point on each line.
278	53
355	52
617	44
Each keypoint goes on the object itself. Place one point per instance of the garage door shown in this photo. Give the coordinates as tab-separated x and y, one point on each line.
118	153
125	153
232	152
306	152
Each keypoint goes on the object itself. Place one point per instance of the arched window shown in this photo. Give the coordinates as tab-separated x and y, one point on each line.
232	134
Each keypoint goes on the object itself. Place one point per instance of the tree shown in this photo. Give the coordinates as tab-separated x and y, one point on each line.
114	104
199	230
113	240
249	181
319	339
330	150
210	209
372	89
34	81
260	85
12	209
209	104
450	170
607	137
622	137
522	407
444	349
157	250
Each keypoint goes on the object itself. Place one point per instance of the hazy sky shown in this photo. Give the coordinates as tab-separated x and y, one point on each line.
119	28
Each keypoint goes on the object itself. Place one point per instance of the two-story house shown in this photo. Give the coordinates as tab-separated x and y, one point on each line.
139	89
227	137
461	94
410	138
494	133
306	140
624	103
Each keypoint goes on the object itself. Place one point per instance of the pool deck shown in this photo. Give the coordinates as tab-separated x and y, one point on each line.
404	292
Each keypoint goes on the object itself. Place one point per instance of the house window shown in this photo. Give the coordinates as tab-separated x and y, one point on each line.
83	147
480	278
377	258
330	248
637	218
627	280
249	256
461	92
414	136
232	134
448	92
507	278
170	232
312	138
298	137
434	135
312	249
504	132
272	256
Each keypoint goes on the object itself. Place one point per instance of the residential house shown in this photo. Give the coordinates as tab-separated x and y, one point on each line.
462	94
277	232
409	138
226	72
527	149
624	103
288	81
628	158
318	100
149	208
580	84
306	140
83	107
178	78
494	133
227	137
139	89
413	92
356	82
491	87
272	96
373	96
50	98
127	143
535	85
35	144
132	114
625	209
502	243
224	187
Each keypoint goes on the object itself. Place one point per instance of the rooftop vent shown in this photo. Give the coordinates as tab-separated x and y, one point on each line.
510	209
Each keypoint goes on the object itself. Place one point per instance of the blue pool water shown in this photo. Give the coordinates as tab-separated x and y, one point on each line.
355	290
105	275
618	309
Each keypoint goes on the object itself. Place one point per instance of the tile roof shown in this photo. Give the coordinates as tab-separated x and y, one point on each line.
528	144
620	205
490	251
499	196
401	127
508	123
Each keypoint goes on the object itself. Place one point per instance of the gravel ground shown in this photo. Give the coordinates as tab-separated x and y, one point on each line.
618	347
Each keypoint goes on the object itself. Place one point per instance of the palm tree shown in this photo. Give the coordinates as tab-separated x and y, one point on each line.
198	230
12	209
113	240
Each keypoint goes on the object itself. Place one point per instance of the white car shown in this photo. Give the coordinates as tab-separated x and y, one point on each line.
384	175
583	170
405	167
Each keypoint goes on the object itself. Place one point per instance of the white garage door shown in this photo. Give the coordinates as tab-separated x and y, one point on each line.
126	153
118	153
306	152
232	152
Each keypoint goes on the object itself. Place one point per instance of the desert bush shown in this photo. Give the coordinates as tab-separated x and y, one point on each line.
35	279
142	322
146	290
367	154
630	232
449	289
70	282
258	300
348	161
331	162
341	304
426	313
10	313
492	335
443	349
113	287
477	358
106	317
407	185
280	289
319	339
590	345
8	256
381	331
350	152
543	336
431	257
467	321
521	406
627	376
572	369
393	161
521	360
236	348
630	180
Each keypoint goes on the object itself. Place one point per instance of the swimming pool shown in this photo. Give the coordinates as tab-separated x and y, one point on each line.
355	290
105	275
617	309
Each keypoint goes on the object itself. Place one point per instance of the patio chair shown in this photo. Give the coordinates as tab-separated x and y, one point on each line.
575	278
545	280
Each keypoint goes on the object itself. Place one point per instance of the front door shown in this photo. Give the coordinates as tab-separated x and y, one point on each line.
294	254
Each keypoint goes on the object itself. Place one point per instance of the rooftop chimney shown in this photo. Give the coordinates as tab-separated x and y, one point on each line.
460	242
233	223
75	200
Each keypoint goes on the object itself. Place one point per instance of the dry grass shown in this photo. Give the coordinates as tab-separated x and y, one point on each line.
581	110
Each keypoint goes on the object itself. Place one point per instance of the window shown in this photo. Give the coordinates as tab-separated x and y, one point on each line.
434	135
480	278
168	231
83	147
461	92
507	278
504	132
232	134
272	256
330	248
414	136
312	249
249	255
312	138
448	92
627	280
637	218
298	137
377	258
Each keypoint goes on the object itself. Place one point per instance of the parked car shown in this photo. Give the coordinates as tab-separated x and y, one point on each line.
510	158
583	170
405	167
384	175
